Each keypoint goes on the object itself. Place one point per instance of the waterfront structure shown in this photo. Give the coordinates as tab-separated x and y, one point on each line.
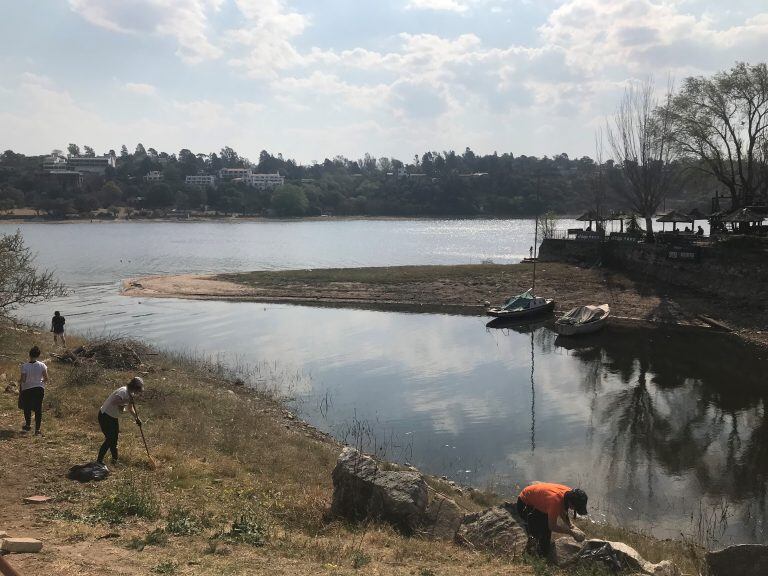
201	181
154	176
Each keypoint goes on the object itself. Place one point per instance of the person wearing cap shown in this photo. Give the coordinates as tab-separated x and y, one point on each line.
117	403
541	504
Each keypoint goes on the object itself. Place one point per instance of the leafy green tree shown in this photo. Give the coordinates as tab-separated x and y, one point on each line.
110	194
88	152
159	195
289	200
73	149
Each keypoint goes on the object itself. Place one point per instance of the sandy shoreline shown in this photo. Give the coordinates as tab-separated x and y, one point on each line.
458	290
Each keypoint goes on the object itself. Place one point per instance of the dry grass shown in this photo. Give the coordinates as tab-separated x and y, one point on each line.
240	489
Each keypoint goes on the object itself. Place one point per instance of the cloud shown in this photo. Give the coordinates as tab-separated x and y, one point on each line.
266	36
630	37
444	5
186	21
140	88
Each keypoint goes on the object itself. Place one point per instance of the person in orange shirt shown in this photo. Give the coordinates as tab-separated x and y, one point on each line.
541	504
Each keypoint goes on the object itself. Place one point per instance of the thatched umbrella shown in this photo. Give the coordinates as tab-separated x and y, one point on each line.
743	216
590	216
621	216
674	216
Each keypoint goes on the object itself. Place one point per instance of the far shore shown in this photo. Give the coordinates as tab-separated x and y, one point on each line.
459	289
223	218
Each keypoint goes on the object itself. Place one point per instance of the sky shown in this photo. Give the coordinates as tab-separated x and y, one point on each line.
313	79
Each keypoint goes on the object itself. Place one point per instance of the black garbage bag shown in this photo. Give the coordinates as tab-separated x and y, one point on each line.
93	471
598	551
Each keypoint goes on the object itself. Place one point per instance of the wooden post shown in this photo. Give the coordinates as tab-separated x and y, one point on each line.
6	569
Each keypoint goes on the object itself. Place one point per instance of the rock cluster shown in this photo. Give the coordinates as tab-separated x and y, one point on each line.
616	555
363	491
741	560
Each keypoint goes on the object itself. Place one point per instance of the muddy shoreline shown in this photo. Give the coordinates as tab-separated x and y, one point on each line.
462	289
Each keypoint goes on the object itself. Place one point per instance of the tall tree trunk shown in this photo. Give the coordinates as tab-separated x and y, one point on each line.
649	229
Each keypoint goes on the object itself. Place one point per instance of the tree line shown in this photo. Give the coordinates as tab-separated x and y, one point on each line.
709	134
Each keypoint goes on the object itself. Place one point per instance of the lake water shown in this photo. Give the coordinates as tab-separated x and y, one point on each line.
667	431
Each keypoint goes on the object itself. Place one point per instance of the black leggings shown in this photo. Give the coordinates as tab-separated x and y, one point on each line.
31	400
537	526
111	428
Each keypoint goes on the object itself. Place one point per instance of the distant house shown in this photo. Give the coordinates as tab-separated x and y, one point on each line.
55	162
201	181
154	176
91	164
232	173
264	181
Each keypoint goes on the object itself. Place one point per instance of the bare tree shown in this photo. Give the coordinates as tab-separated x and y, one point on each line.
597	183
20	282
723	123
639	137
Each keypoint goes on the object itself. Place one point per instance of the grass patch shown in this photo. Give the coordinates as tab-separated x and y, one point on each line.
360	559
129	498
166	568
371	275
181	522
84	374
157	537
249	528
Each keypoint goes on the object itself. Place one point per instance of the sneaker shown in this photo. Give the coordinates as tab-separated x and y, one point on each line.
26	428
38	433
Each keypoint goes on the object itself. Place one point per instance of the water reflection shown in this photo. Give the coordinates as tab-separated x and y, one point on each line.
691	413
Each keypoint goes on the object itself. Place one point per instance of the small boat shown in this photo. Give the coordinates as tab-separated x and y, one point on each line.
524	305
583	320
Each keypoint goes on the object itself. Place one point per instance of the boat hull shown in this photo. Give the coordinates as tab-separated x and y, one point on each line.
576	329
522	314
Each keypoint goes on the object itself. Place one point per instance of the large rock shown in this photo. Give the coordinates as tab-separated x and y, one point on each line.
626	557
21	545
442	518
741	560
362	491
494	529
564	550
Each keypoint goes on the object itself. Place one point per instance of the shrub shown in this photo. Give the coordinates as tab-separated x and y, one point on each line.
84	374
182	523
128	498
165	568
248	528
360	559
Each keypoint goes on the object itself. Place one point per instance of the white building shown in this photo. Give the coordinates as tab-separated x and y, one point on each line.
91	164
264	181
200	180
154	176
55	162
231	173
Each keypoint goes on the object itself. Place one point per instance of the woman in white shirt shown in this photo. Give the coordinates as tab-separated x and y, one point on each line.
110	411
32	379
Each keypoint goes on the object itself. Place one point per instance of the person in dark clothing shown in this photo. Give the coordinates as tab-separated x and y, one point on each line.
33	377
540	506
57	327
117	403
699	231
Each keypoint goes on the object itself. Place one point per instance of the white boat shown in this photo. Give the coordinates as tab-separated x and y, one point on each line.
583	320
524	305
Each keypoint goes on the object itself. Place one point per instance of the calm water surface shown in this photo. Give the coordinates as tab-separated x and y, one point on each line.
666	431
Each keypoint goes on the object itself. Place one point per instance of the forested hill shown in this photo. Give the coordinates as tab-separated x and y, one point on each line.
434	184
